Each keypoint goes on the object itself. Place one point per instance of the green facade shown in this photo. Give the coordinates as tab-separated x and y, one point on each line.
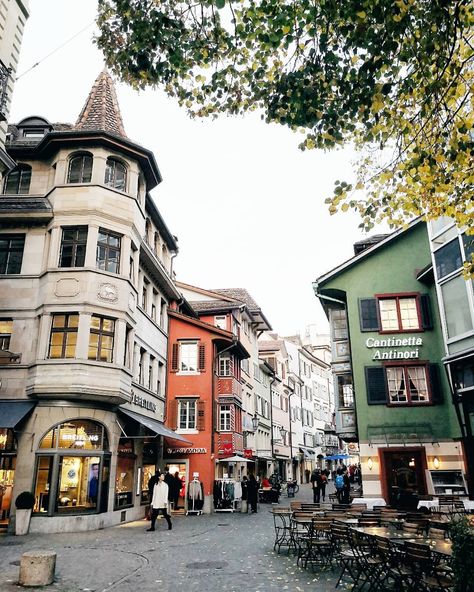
391	268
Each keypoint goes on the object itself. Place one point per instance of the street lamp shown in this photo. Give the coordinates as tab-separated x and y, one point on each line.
255	423
283	432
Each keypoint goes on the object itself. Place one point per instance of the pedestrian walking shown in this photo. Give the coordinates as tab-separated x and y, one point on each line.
177	486
324	482
316	485
252	493
159	503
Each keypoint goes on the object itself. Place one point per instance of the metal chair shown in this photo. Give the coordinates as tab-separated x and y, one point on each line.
282	525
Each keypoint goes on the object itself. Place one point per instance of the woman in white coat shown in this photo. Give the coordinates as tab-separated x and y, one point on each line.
159	502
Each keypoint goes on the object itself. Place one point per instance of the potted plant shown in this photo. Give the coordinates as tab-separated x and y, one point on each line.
462	535
24	504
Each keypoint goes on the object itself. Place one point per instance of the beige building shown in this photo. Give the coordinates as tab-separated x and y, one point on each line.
85	283
13	16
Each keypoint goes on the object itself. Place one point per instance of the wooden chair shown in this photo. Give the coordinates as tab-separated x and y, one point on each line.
368	521
295	505
413	528
342	554
436	533
316	548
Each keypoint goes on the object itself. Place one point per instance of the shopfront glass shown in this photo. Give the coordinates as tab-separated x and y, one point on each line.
124	477
7	472
72	469
150	456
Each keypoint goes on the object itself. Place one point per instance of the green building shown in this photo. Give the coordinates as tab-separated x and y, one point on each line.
392	394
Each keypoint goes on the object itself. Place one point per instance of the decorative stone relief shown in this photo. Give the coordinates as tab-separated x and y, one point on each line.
131	302
67	287
107	292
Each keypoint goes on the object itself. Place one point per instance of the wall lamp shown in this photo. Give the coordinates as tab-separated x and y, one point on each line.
370	463
436	462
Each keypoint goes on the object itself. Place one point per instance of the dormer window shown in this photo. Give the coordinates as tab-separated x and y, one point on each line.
116	174
34	134
80	169
18	180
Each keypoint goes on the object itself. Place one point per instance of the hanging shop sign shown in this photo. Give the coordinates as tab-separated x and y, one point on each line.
140	401
388	348
248	453
225	444
186	450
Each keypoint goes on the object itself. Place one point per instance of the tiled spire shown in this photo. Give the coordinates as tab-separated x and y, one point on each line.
101	110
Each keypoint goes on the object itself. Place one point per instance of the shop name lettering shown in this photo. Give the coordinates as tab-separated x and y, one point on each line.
76	437
187	450
141	402
392	342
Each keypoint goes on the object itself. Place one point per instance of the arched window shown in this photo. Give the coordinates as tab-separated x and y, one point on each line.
116	174
72	469
17	182
80	169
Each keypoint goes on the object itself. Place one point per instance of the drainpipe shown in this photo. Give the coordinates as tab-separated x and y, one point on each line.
272	380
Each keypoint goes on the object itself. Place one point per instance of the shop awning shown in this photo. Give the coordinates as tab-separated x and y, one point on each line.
12	412
236	458
308	454
155	426
337	457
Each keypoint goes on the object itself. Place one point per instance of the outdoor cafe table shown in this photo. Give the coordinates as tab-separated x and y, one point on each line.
437	546
370	502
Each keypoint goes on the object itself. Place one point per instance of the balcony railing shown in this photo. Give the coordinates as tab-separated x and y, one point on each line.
5	74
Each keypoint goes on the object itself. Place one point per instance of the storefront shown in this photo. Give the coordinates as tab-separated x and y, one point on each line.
12	416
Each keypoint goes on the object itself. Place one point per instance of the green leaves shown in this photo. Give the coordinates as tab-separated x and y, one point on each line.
392	77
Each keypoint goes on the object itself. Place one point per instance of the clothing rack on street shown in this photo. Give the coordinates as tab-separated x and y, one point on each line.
195	497
227	495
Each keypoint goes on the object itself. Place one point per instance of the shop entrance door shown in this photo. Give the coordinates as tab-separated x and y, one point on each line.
404	476
7	478
180	467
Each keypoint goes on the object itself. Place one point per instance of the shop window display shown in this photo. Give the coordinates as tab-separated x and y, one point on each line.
74	451
7	472
124	477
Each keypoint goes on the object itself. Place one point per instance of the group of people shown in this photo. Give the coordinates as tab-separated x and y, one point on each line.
163	488
342	481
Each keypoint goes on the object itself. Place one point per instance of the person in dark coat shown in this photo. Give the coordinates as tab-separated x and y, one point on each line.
151	484
316	485
252	493
178	484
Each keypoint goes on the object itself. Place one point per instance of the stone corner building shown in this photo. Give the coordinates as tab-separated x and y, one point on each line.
85	284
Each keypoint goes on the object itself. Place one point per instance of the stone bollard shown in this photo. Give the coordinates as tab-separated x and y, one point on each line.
37	568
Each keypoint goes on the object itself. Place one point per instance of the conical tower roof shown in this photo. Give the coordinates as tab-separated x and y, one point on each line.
101	110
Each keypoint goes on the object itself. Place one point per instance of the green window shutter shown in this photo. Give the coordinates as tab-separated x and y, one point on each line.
376	385
435	384
368	314
426	317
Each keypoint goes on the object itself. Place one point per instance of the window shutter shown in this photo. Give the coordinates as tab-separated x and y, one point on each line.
173	414
435	384
200	424
426	317
202	358
174	357
369	320
376	385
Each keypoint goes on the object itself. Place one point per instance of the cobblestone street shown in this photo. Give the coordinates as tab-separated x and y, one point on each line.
220	552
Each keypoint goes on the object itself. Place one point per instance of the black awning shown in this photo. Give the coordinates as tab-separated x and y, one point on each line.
12	412
155	426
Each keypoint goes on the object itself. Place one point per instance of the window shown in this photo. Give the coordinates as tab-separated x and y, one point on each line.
116	174
17	182
63	338
80	169
145	296
399	313
345	391
448	258
224	418
101	339
108	251
407	384
73	246
11	253
188	356
225	365
456	306
187	414
5	333
163	315
221	322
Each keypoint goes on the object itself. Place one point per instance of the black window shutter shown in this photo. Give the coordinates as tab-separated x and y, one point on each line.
376	385
369	320
426	317
435	384
174	357
202	358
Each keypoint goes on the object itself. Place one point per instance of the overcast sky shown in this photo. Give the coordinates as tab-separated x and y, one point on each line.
246	204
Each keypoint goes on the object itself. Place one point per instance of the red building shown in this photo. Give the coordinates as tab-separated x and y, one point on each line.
204	401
